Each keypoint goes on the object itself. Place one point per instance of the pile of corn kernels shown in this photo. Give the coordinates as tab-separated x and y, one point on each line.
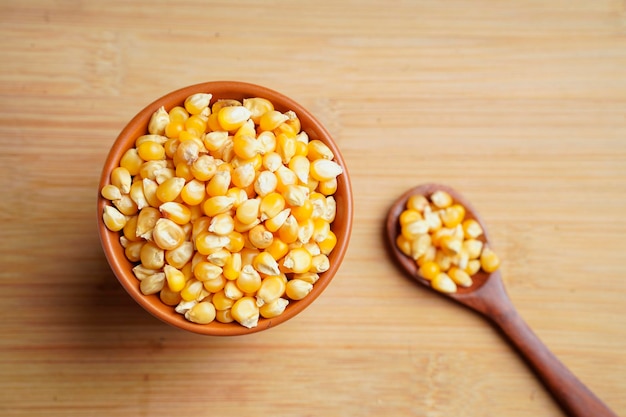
446	245
225	209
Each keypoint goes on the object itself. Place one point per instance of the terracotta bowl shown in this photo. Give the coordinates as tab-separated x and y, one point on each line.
222	90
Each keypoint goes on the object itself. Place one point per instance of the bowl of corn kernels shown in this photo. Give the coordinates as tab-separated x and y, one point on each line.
224	208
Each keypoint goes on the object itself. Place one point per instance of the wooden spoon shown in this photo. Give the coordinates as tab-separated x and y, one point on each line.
488	297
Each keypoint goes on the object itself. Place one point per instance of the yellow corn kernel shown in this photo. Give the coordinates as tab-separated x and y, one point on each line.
170	189
473	248
152	284
224	316
444	260
278	249
298	260
196	124
300	165
204	168
221	302
207	242
248	211
429	270
152	256
460	277
158	121
413	230
285	147
170	147
138	196
216	205
131	161
271	205
473	266
192	290
204	271
260	237
284	178
120	177
245	227
178	113
265	264
304	211
225	102
247	147
174	128
167	234
183	170
272	161
489	261
239	195
113	219
472	229
201	313
302	148
409	216
169	297
179	257
319	263
327	245
126	205
453	215
291	126
321	230
297	289
232	267
246	312
328	187
176	212
232	118
305	230
430	255
149	151
258	107
270	120
276	222
450	245
130	229
441	199
132	250
288	232
215	284
249	280
175	278
197	102
273	309
111	192
325	169
219	183
272	288
265	183
319	150
443	283
146	220
417	203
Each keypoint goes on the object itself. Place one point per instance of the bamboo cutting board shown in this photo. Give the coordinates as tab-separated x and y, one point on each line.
521	106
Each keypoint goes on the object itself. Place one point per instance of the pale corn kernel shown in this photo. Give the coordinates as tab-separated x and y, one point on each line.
121	178
149	168
232	118
258	107
180	256
305	230
473	248
272	288
175	278
295	195
265	183
489	261
239	195
443	283
111	192
187	152
113	219
246	312
204	167
460	277
417	202
291	126
170	189
213	141
441	199
473	266
429	270
167	235
169	297
245	227
260	237
311	247
288	232
222	224
298	260
272	161
243	175
219	183
472	229
248	211
249	280
138	196
330	209
152	284
327	245
149	188
273	309
325	169
450	245
267	140
219	257
265	264
285	177
176	212
204	271
328	187
197	102
158	121
232	291
285	147
433	220
184	306
453	215
224	316
319	263
419	246
247	147
444	261
297	289
131	161
152	256
319	150
201	313
413	230
321	230
215	284
141	272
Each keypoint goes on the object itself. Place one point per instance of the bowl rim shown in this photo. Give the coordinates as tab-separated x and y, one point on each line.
125	140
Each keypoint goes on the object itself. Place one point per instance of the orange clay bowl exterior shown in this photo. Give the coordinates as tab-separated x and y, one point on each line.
139	126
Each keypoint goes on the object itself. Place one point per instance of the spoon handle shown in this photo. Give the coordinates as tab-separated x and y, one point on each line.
573	396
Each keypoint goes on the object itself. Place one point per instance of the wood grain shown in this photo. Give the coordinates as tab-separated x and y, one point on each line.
521	106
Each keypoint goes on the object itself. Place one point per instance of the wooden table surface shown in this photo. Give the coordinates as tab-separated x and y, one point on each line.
520	105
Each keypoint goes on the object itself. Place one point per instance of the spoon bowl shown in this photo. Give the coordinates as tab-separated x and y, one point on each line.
488	297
